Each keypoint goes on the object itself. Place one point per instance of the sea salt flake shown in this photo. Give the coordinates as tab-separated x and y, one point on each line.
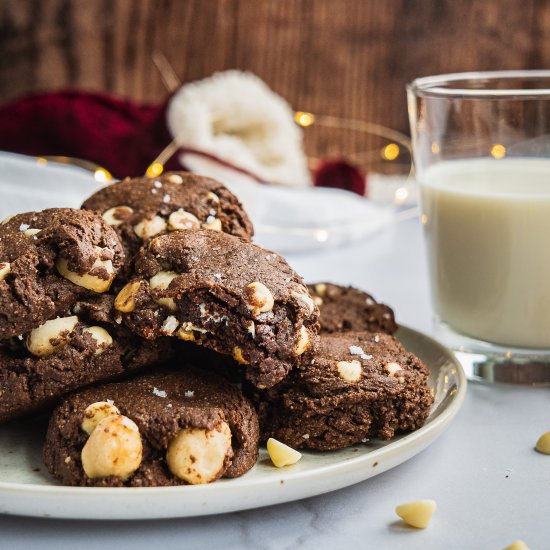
365	356
166	198
189	393
377	338
369	301
210	219
212	212
306	436
157	184
356	350
110	401
169	405
24	227
159	393
154	191
364	440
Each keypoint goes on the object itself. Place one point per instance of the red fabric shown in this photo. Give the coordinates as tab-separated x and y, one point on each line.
340	174
117	134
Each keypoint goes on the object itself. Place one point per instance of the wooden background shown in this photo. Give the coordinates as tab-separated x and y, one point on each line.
349	58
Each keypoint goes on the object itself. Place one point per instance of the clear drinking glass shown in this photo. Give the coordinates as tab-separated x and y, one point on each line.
481	148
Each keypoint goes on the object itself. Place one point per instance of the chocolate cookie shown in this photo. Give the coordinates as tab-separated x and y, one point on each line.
358	385
346	308
141	208
165	428
65	354
50	259
223	293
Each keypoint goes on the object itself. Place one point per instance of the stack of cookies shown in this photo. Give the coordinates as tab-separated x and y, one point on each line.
171	345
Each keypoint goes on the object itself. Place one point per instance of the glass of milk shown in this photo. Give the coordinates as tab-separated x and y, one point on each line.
481	147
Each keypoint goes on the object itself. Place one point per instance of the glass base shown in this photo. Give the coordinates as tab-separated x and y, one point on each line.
493	363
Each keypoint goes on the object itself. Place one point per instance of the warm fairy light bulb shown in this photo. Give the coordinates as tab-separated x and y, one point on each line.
435	148
304	119
401	195
390	152
498	151
42	160
155	169
102	176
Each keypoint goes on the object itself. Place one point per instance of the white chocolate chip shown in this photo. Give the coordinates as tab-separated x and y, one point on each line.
198	456
318	301
150	227
31	232
91	282
306	300
117	215
170	325
392	368
543	443
215	224
51	335
162	279
517	545
212	197
5	270
417	514
126	298
303	342
350	371
95	413
258	298
282	455
102	338
238	356
320	289
180	219
174	178
114	448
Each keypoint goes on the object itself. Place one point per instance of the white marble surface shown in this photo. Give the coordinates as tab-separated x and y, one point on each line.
491	487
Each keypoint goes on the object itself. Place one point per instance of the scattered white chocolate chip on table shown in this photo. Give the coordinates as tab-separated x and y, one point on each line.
282	455
417	513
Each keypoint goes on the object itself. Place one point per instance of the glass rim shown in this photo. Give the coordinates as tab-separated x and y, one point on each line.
434	86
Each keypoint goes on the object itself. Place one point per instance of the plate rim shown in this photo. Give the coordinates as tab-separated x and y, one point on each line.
28	498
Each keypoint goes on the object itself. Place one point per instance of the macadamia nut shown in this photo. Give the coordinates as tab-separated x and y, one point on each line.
91	282
126	298
282	455
392	368
238	356
417	514
95	413
114	448
150	227
214	224
162	279
258	298
180	219
303	342
198	456
102	338
50	336
517	545
117	215
543	443
5	270
350	371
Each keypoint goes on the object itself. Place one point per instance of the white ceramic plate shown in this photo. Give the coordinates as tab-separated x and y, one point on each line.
26	489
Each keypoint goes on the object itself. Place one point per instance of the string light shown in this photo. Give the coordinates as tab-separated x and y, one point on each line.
435	148
41	160
498	151
102	176
304	119
390	151
155	169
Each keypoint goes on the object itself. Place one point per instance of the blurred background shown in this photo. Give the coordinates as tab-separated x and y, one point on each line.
348	58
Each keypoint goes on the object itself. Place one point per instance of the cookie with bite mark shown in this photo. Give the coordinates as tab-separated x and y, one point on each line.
221	292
